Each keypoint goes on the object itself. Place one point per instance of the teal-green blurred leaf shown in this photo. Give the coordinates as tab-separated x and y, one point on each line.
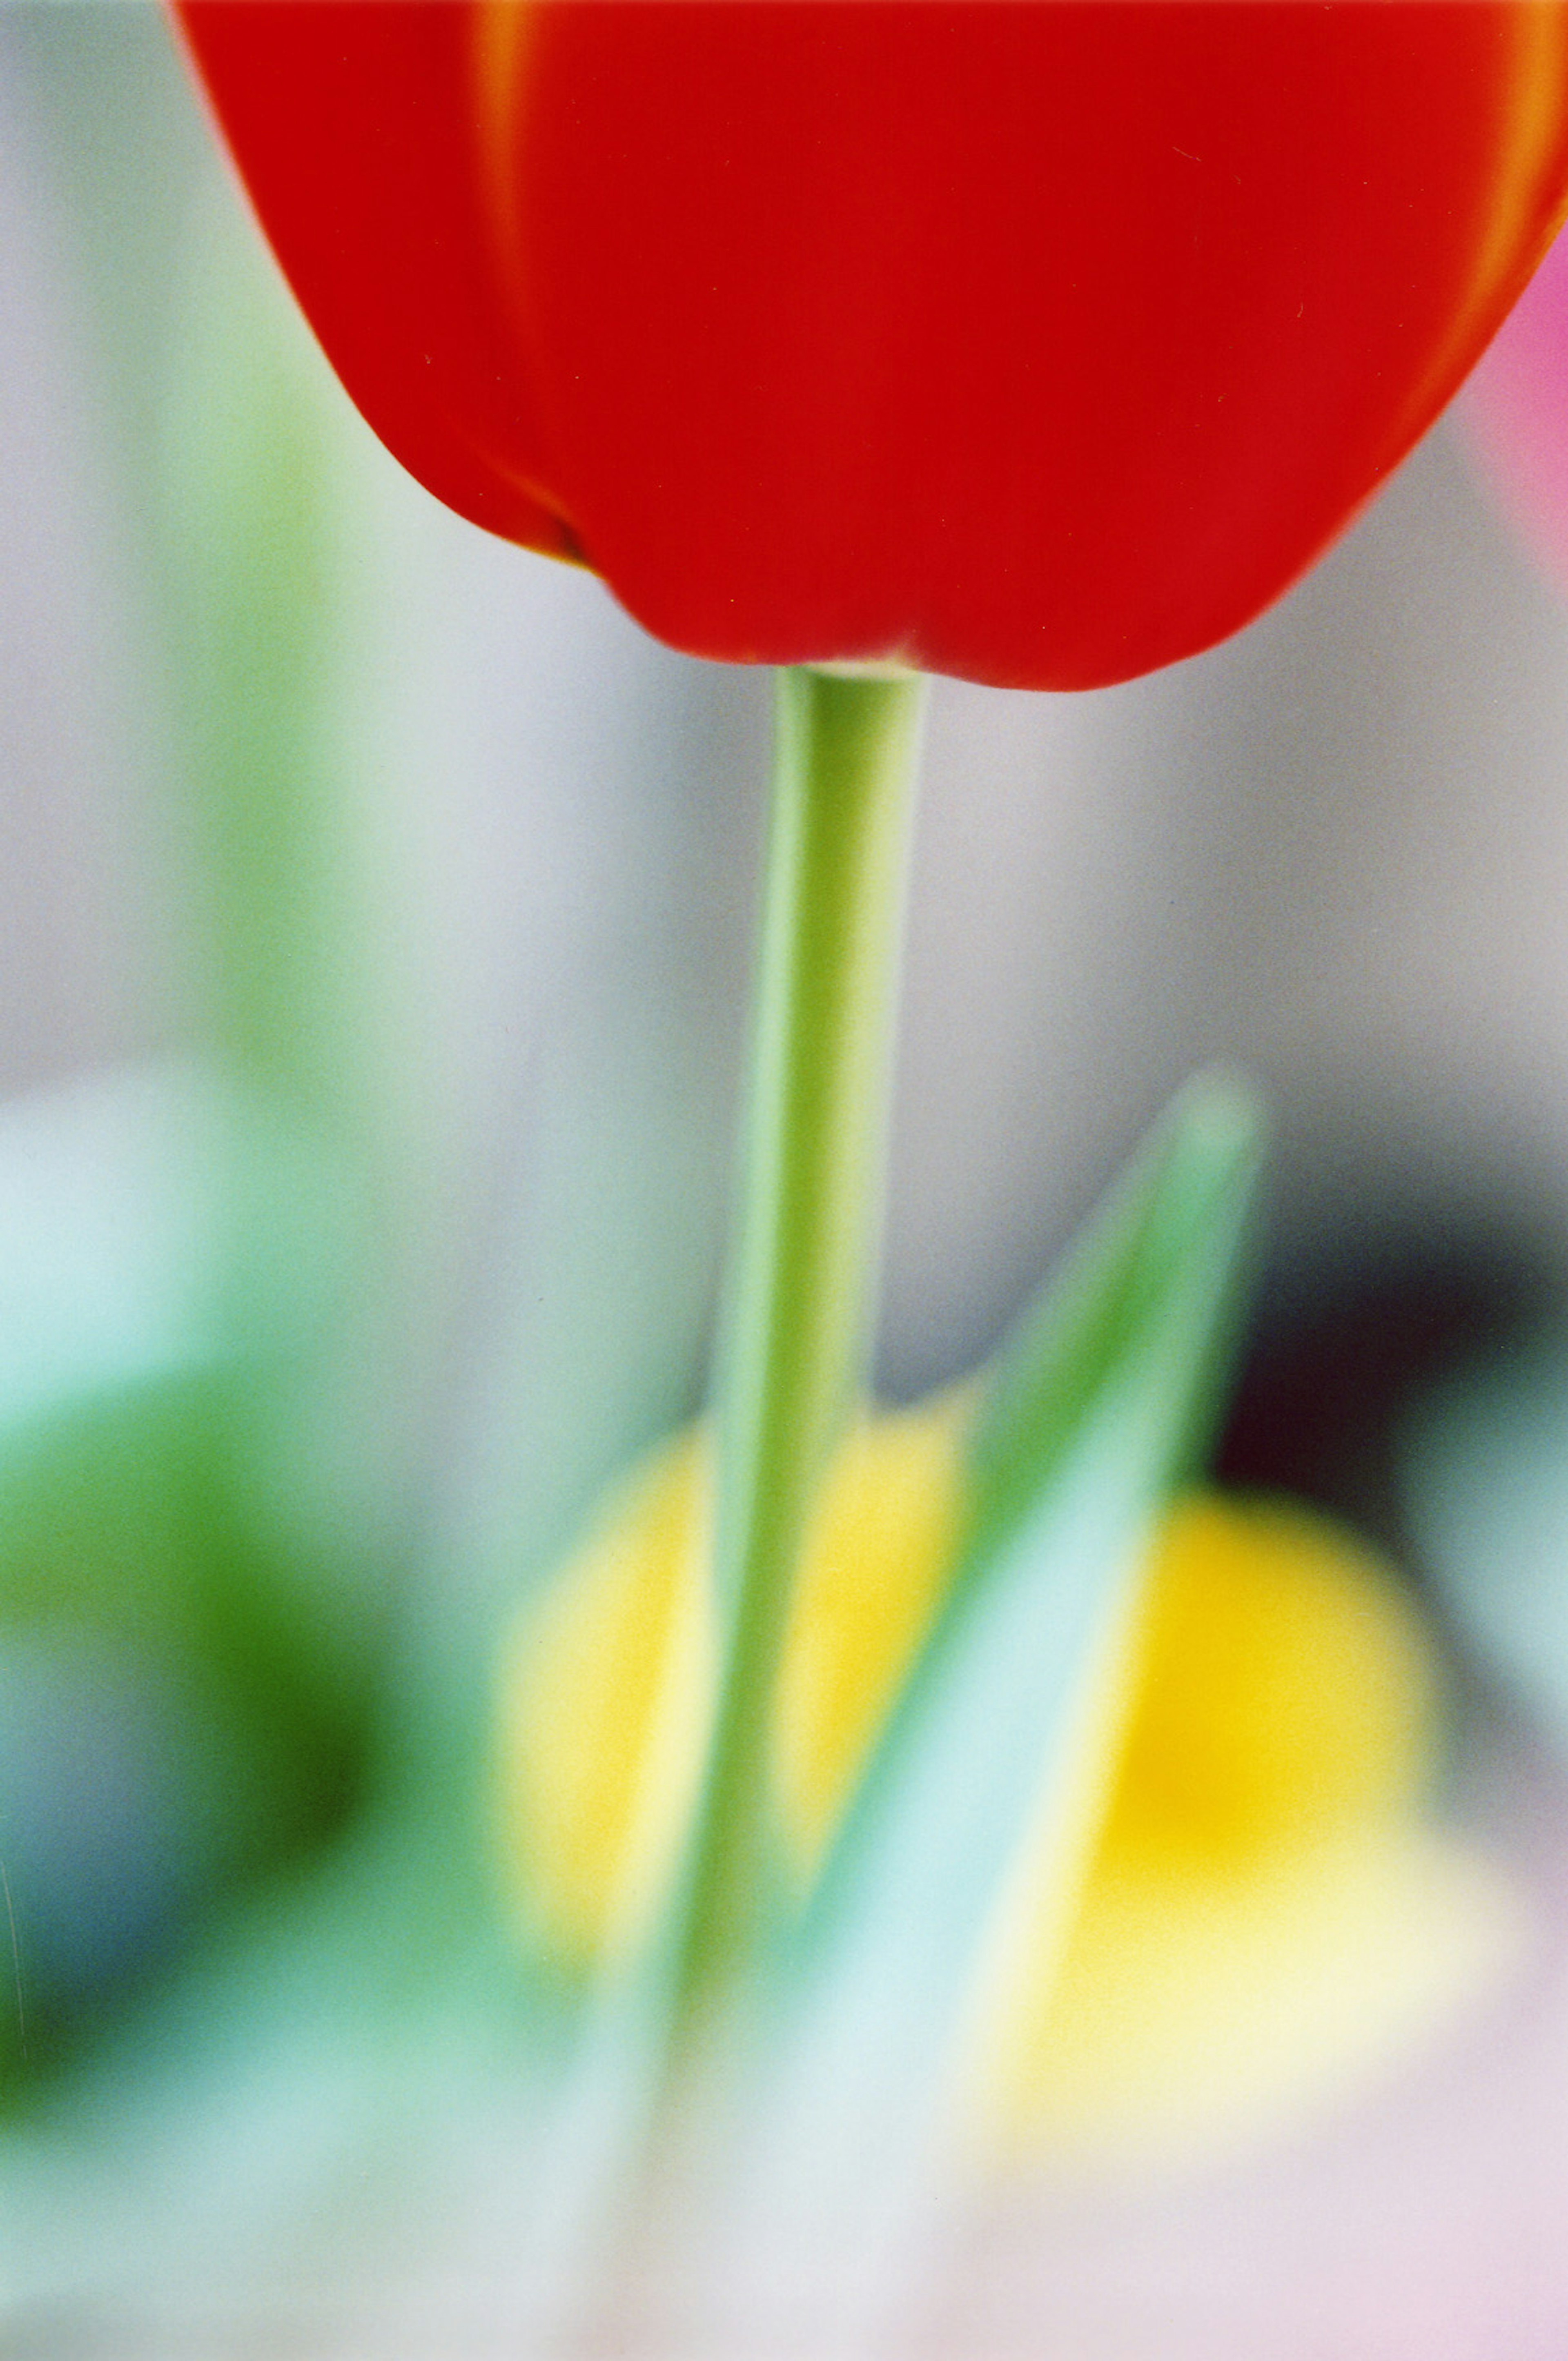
1485	1487
1152	1286
187	1646
1097	1409
266	547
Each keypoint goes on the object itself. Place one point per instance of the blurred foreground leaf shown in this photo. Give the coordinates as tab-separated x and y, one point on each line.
186	1627
1097	1410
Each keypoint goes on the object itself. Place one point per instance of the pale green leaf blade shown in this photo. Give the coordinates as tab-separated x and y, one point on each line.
1097	1410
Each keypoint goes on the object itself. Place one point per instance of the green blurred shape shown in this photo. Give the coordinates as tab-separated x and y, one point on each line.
193	1260
1485	1487
188	1632
267	557
1097	1409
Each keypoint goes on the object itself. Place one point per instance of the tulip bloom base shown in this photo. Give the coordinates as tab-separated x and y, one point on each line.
1033	342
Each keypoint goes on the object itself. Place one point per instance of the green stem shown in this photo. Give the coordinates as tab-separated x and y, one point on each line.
794	1356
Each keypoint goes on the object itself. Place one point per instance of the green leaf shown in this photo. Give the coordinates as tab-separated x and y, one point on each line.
270	570
187	1639
1099	1407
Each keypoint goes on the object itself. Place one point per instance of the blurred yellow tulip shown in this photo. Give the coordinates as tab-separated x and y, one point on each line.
606	1684
1269	1911
1255	1907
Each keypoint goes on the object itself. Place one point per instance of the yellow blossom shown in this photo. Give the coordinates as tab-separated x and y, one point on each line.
1258	1906
1270	1910
605	1687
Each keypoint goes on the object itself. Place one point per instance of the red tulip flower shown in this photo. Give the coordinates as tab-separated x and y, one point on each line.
1042	342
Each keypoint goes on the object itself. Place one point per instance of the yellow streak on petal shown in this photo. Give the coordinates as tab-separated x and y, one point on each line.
1516	206
500	33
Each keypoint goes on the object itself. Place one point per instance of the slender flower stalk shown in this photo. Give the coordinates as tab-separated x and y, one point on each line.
794	1350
